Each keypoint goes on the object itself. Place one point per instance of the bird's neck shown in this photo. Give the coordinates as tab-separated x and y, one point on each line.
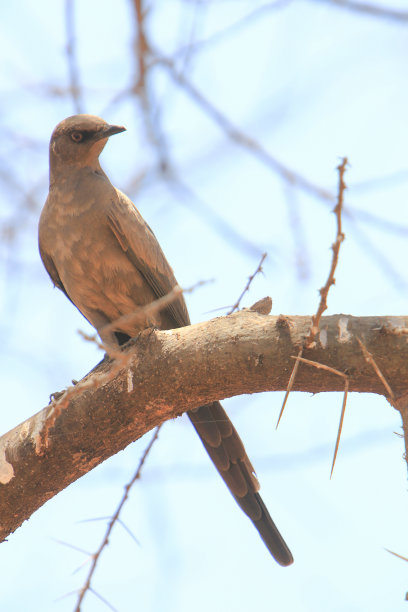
62	171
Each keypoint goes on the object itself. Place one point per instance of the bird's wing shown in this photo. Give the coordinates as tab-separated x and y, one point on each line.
52	271
212	424
143	250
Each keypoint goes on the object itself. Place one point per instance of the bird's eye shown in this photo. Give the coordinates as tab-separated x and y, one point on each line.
77	136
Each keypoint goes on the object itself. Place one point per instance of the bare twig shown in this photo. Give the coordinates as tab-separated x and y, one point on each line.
290	383
140	314
298	231
72	546
396	554
322	366
371	10
149	310
291	177
141	47
403	559
209	215
380	222
247	286
239	137
380	183
254	15
142	51
103	600
340	429
370	359
73	70
95	557
369	246
310	340
186	52
120	359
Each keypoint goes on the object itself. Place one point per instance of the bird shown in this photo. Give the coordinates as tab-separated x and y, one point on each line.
100	252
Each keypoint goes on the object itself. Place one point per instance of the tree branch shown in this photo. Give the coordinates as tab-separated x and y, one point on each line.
169	372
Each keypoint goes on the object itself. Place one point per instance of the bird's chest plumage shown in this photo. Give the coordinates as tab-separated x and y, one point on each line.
92	266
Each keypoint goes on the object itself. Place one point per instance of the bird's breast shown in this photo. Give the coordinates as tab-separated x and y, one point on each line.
94	269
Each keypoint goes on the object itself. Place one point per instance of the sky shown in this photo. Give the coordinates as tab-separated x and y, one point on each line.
311	83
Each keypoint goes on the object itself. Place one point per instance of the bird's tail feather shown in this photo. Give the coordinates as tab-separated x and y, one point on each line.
228	454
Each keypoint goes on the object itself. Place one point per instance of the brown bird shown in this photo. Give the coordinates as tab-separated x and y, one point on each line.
100	252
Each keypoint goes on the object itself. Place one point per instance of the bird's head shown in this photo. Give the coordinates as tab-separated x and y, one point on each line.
78	141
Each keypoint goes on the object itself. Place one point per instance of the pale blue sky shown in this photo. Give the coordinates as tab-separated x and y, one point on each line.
311	83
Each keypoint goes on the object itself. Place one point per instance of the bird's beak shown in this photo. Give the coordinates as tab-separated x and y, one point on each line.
110	130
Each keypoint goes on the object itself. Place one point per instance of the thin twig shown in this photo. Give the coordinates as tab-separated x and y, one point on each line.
210	216
95	557
403	559
72	546
119	358
340	429
378	221
138	317
73	70
396	554
291	177
260	12
239	137
103	600
369	9
322	366
290	383
370	247
186	54
247	286
298	231
141	46
310	339
142	51
140	314
370	359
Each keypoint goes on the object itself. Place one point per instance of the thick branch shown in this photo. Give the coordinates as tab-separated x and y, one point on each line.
169	372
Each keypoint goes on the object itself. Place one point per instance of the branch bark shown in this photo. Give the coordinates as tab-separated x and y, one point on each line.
166	373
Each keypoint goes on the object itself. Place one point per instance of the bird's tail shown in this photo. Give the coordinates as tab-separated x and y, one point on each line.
227	452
